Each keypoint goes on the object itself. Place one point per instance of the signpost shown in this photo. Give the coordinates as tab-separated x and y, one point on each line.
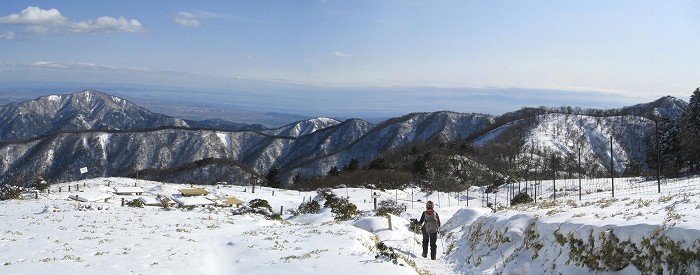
375	196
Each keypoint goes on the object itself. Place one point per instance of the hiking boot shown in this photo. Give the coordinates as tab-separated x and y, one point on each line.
432	257
425	254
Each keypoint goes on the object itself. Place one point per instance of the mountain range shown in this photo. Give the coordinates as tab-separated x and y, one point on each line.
55	136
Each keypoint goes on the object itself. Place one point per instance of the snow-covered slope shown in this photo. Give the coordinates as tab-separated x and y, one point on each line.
303	127
133	142
562	135
120	153
631	234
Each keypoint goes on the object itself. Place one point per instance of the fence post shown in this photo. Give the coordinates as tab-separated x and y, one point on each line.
612	167
579	173
658	156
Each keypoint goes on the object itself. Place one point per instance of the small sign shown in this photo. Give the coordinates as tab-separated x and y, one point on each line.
375	196
83	170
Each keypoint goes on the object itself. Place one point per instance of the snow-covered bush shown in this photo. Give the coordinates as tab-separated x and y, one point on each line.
386	252
257	203
342	208
389	207
135	203
257	206
521	198
10	192
310	207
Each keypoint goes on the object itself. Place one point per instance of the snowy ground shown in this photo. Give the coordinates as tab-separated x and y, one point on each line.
40	236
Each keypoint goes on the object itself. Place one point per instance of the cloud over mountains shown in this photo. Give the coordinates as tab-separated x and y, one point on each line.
43	21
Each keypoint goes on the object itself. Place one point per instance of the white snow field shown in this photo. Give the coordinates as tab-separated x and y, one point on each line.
55	234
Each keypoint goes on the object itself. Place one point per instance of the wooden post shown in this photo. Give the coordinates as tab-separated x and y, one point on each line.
658	155
281	209
68	188
388	217
36	195
76	188
273	193
122	201
59	189
579	174
612	168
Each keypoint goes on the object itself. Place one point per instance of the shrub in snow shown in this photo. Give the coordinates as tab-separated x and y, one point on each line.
386	252
41	185
10	192
257	203
389	207
326	194
310	207
521	198
135	203
164	201
257	206
342	208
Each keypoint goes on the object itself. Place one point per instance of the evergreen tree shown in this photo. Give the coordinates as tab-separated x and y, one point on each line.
690	132
334	171
272	178
420	166
669	147
379	164
354	165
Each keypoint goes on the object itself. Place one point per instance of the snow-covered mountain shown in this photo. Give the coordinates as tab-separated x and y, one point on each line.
561	135
87	110
120	153
666	106
303	127
118	147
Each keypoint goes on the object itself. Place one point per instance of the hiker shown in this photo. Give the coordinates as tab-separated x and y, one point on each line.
431	223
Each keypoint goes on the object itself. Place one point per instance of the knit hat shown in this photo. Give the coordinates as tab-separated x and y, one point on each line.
429	205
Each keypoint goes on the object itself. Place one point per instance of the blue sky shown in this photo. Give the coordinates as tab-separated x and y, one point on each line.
407	55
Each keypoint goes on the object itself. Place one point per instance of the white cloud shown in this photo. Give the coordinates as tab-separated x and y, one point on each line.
48	64
107	24
341	54
7	36
35	16
78	66
188	19
38	29
43	21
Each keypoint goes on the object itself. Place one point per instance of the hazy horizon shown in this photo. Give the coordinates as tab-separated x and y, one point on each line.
359	58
